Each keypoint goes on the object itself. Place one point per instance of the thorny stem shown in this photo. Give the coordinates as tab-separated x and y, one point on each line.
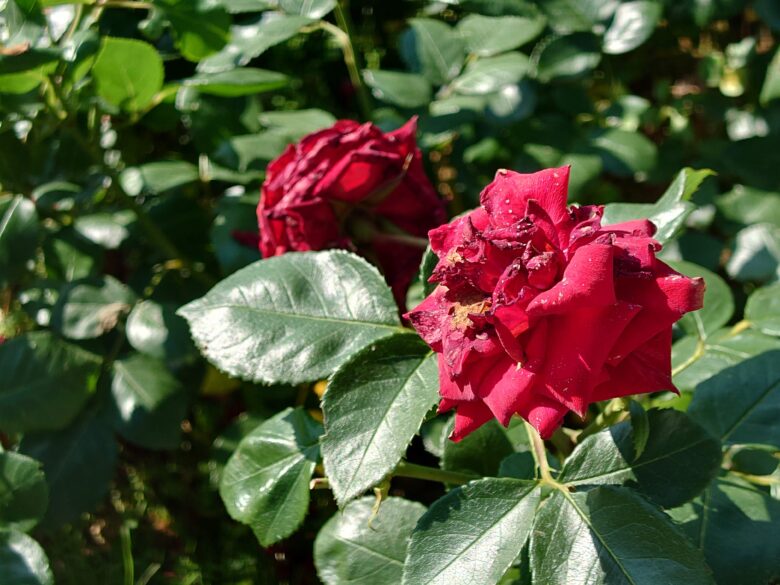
540	455
127	555
343	35
414	471
405	240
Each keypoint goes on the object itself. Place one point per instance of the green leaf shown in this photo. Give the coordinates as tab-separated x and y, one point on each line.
91	308
149	403
477	529
45	382
748	205
373	407
309	8
668	214
158	177
771	88
434	49
487	35
70	256
741	404
567	57
79	463
492	73
640	427
718	302
481	452
721	349
242	6
265	483
427	265
252	40
738	528
565	16
23	492
227	442
23	72
156	330
518	465
763	309
756	255
237	82
292	318
676	447
360	547
295	124
22	560
610	535
18	237
108	230
234	214
626	154
200	28
769	12
408	90
632	24
128	73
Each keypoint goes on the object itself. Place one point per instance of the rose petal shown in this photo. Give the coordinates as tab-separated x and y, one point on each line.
506	198
648	369
545	416
587	282
578	345
469	416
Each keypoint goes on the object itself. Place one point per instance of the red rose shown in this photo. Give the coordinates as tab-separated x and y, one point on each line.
352	186
540	310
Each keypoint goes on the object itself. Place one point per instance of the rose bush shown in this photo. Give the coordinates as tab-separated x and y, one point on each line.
541	310
178	407
354	187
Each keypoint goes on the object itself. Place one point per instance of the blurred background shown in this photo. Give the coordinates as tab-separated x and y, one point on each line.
156	187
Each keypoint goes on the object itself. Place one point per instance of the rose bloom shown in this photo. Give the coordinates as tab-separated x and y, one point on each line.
541	310
352	186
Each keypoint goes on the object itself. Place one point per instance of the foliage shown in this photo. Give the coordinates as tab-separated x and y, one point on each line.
162	417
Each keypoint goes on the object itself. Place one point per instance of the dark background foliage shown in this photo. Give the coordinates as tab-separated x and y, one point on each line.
130	172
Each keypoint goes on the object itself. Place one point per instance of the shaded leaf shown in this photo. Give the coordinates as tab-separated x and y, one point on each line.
22	560
128	73
45	382
373	407
487	36
79	463
23	491
90	308
675	447
751	391
149	403
265	484
408	90
358	547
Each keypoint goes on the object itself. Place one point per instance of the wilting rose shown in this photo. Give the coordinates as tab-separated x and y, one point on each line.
352	186
541	310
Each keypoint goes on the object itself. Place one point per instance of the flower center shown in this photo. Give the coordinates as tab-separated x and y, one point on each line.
461	313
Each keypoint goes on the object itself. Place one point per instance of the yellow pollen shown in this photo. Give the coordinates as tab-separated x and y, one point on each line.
460	313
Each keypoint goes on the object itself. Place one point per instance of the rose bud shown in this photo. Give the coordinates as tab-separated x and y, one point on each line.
352	186
541	310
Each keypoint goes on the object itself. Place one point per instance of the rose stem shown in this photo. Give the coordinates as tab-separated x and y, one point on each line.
540	454
412	470
343	34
